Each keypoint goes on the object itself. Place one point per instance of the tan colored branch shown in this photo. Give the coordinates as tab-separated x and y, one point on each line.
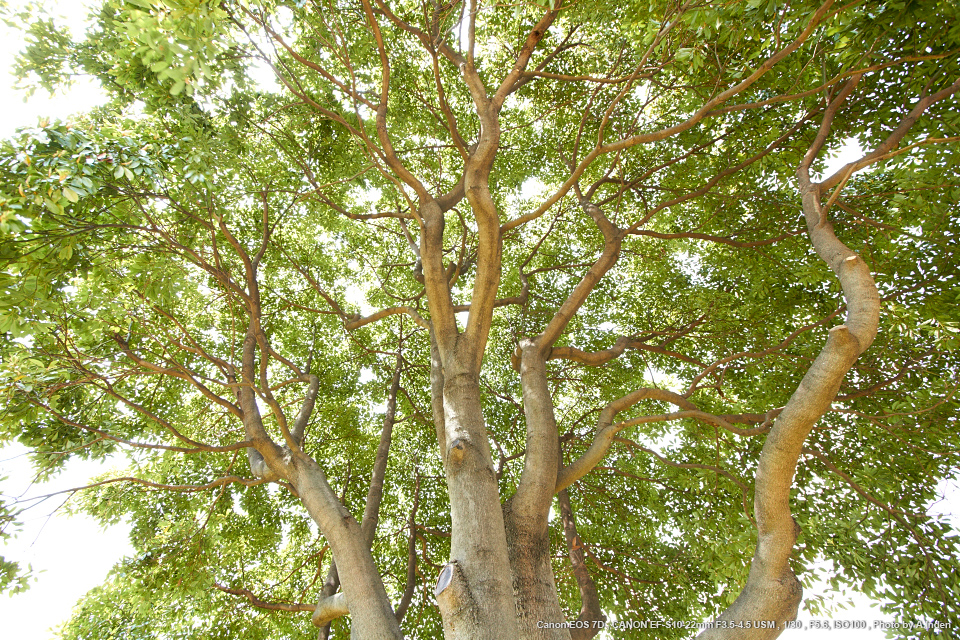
889	145
535	490
183	488
623	343
329	609
262	604
705	111
846	477
606	432
356	321
613	238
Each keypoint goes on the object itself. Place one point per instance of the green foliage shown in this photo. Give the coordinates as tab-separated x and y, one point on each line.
126	234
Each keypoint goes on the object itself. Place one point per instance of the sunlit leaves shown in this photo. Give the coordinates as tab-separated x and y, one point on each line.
130	237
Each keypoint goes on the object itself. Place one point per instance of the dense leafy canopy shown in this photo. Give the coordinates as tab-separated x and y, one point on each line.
129	237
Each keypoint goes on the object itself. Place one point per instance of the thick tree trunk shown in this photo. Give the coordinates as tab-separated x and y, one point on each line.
526	513
475	591
371	615
538	608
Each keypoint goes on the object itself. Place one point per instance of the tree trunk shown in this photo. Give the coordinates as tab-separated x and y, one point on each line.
526	513
475	591
371	615
533	580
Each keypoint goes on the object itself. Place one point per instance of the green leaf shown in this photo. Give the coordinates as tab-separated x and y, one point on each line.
52	206
620	245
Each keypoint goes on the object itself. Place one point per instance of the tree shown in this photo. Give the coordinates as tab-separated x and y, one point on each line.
489	317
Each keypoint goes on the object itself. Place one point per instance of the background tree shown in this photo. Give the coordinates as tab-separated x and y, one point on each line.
549	301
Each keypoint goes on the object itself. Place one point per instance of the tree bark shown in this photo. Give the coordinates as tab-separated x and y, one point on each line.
589	598
526	513
475	591
773	592
371	614
331	604
329	589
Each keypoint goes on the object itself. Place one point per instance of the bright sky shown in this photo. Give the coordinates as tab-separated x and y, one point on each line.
84	95
74	554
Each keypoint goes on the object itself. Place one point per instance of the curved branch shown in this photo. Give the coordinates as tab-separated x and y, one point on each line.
539	30
389	154
772	591
607	431
819	455
718	239
613	239
703	112
884	150
535	489
262	604
183	488
356	321
598	358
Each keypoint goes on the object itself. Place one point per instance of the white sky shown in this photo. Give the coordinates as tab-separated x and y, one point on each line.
74	554
84	95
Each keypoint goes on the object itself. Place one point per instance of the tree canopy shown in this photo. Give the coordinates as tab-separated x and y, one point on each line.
483	316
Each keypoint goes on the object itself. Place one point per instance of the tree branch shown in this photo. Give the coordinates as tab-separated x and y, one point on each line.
590	610
662	134
262	604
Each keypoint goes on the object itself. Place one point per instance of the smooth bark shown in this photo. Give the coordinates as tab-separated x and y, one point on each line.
526	513
371	615
480	603
773	592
